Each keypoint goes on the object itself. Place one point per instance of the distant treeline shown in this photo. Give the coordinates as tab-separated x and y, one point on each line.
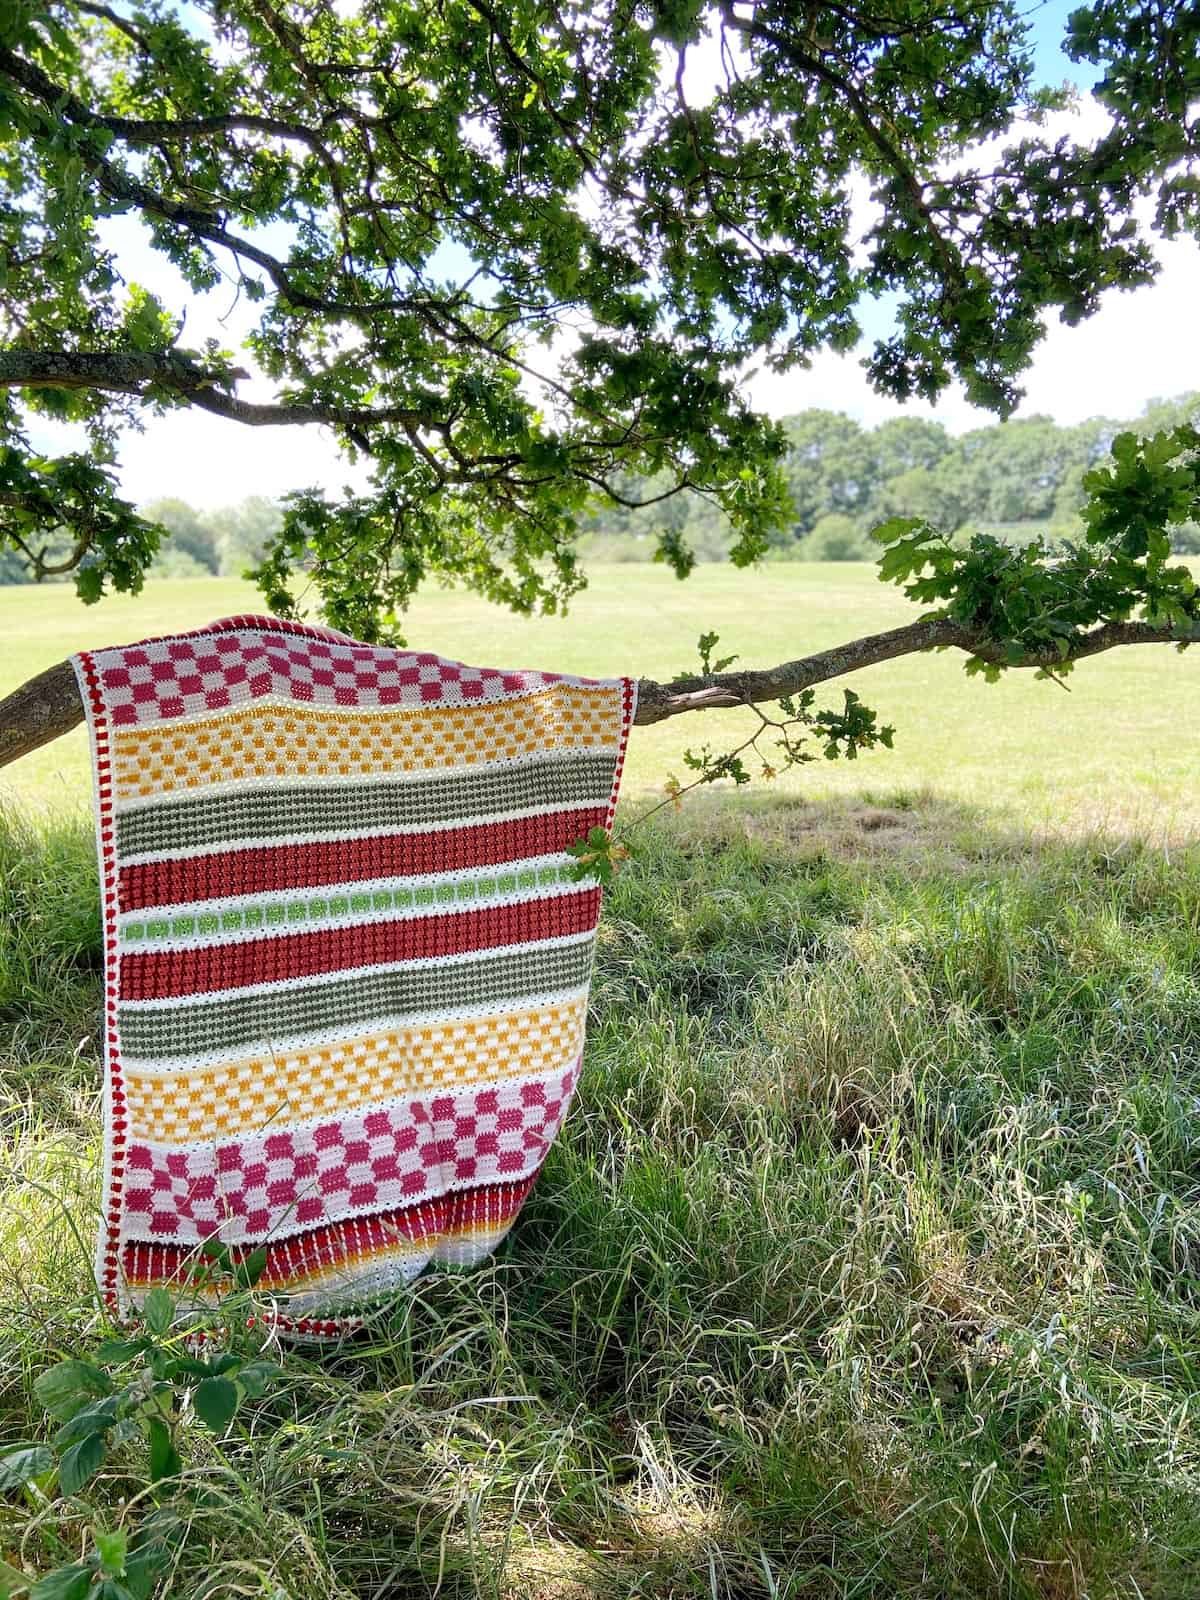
1011	479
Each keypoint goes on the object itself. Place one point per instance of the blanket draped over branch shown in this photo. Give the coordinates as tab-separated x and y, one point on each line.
348	948
49	705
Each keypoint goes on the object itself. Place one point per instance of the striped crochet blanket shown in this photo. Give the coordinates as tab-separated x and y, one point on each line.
346	962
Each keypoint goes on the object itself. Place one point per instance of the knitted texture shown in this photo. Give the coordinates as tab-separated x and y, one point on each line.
346	956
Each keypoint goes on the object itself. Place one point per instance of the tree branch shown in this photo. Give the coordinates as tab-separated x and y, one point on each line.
48	706
133	373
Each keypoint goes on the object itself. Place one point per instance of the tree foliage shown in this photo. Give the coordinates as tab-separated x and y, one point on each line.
418	198
1036	603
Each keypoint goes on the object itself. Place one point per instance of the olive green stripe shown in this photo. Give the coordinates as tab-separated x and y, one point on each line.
329	904
568	778
255	1021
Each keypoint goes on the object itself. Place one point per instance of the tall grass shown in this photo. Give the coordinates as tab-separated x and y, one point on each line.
868	1263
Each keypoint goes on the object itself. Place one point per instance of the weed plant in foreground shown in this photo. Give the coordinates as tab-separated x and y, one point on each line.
866	1265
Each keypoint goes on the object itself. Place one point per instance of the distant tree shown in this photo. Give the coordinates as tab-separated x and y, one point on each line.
837	537
943	495
244	533
901	443
829	467
191	545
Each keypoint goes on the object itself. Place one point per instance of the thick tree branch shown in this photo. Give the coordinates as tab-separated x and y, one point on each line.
133	373
48	706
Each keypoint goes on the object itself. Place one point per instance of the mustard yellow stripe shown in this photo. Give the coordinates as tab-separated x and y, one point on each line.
278	1091
295	741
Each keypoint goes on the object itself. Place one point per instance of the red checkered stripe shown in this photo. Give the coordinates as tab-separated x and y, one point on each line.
231	663
361	1176
282	1181
485	1211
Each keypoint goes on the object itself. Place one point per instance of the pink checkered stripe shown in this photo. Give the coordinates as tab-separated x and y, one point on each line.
276	1184
219	667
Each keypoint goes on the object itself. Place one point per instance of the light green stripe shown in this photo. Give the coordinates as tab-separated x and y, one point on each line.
334	903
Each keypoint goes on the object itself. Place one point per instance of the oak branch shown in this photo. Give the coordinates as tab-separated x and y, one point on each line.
48	706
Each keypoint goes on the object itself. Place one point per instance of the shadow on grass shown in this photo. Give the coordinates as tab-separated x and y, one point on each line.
866	1264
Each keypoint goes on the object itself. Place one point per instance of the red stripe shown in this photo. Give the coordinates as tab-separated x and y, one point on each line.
490	1205
158	975
307	866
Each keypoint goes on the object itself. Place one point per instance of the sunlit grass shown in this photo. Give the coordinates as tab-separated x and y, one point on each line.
1116	753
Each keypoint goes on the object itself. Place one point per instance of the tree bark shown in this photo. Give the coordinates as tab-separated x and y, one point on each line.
48	706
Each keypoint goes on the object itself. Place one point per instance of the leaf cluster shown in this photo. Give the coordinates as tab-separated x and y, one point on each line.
1030	602
139	1393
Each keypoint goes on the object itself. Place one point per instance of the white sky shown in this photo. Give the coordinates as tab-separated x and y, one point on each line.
1141	345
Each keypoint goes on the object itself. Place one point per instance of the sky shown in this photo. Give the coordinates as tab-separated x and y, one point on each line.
1139	346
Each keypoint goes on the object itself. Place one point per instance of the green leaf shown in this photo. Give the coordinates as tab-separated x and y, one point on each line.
68	1387
12	1580
257	1377
81	1462
118	1352
216	1401
96	1418
111	1548
164	1458
249	1271
89	584
895	528
158	1308
151	1551
21	1464
68	1583
172	1367
111	1589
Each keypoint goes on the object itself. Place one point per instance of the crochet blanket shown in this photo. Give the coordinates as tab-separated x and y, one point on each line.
346	961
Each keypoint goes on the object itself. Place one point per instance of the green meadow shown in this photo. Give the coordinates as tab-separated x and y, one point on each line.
868	1262
1113	752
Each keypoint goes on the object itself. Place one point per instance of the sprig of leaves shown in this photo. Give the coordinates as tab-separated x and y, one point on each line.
597	856
1029	600
838	733
140	1389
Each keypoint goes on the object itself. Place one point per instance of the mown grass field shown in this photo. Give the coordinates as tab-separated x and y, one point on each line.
868	1263
1117	751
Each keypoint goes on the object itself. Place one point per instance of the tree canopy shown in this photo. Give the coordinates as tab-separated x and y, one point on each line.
418	197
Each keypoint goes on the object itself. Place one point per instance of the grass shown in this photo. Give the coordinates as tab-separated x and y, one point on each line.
1113	754
865	1266
868	1262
